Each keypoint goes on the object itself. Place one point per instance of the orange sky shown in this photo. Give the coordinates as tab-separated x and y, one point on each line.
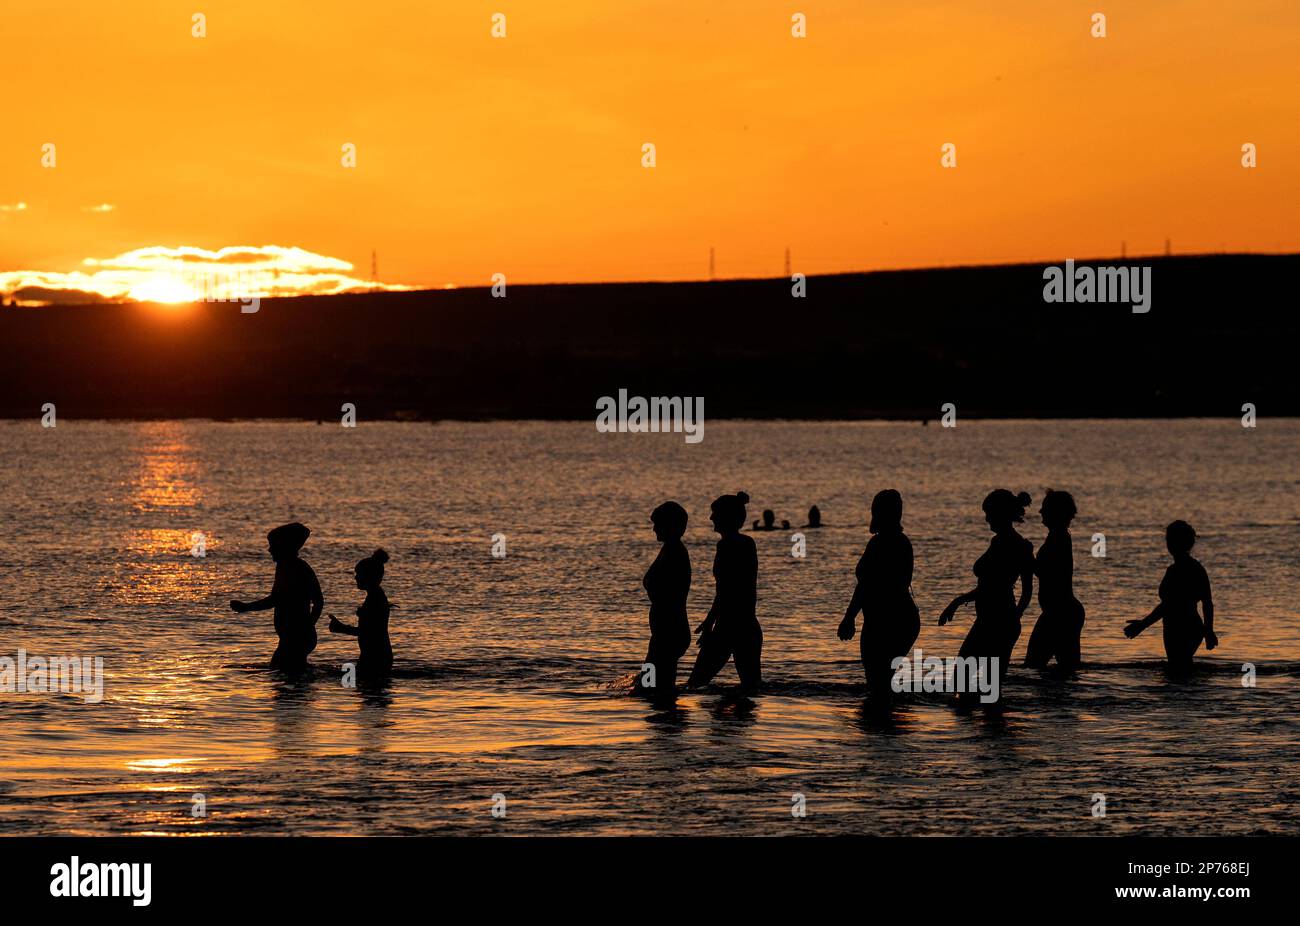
522	155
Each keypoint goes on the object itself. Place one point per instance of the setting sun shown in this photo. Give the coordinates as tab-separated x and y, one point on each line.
164	289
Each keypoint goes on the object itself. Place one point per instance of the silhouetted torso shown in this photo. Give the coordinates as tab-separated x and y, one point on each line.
1056	633
294	591
1184	585
890	620
735	571
372	633
1054	566
736	633
668	582
885	570
1008	556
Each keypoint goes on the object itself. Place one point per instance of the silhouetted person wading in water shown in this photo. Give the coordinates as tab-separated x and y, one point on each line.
371	631
997	611
1057	631
295	595
731	630
667	582
1185	584
890	620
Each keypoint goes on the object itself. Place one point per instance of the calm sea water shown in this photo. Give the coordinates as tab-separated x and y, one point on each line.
510	672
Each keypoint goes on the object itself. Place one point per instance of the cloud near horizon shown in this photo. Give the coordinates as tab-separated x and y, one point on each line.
189	274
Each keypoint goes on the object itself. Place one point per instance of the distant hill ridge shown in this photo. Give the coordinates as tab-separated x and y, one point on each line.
1221	331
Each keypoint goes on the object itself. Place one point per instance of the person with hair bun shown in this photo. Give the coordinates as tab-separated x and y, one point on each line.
1008	558
1057	630
1185	585
731	631
667	582
371	630
890	620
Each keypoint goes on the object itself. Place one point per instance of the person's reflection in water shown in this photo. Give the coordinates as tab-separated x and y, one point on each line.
295	596
667	719
293	703
731	630
1057	631
667	582
900	718
734	708
997	610
1185	585
890	619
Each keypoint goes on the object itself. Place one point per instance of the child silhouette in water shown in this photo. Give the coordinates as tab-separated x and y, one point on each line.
295	595
1185	584
371	630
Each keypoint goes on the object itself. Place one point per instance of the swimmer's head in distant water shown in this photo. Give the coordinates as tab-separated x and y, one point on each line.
886	512
1058	509
1002	508
729	512
1180	537
669	520
370	571
287	539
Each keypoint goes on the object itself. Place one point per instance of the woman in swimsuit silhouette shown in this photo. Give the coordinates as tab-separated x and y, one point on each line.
371	631
1008	558
295	595
731	630
890	620
1058	628
667	582
1184	586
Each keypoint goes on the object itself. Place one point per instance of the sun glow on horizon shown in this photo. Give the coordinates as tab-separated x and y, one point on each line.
163	289
178	275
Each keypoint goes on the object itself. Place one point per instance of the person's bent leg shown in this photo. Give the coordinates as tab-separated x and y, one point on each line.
713	655
1041	644
749	659
1068	652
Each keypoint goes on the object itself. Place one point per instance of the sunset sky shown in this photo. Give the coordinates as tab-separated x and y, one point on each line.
477	155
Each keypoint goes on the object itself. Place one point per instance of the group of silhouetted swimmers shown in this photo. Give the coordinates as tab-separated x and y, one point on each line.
298	603
768	523
883	595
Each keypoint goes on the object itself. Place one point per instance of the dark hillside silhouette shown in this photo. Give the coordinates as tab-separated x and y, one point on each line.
893	344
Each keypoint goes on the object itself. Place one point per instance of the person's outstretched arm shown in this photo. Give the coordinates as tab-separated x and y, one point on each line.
950	611
337	626
262	604
1133	628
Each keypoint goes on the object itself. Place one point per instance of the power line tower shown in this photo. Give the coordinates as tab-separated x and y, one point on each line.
711	273
374	266
1169	250
787	260
1123	249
